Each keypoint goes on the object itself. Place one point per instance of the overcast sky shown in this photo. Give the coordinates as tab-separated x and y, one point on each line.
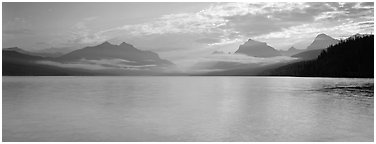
180	31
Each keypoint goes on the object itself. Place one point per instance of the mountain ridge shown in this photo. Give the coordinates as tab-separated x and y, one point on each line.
291	51
103	59
257	49
107	50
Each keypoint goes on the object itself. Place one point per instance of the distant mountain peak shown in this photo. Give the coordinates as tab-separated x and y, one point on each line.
257	49
124	44
105	43
322	41
254	42
291	51
322	35
292	48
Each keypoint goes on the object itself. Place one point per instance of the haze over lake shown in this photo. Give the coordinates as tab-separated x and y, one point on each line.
187	109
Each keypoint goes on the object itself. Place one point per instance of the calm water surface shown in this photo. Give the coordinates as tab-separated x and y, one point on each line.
187	109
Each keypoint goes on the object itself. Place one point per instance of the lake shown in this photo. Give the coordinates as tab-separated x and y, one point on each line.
187	109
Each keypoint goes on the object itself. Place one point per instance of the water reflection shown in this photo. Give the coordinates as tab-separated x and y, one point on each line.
186	109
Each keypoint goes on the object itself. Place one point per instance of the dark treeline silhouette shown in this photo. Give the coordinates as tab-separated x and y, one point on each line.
352	57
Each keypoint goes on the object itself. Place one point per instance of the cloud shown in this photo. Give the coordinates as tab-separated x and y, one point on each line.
232	22
224	16
72	65
223	62
118	63
244	59
81	34
173	23
208	40
367	4
222	25
90	18
269	17
21	31
101	64
302	35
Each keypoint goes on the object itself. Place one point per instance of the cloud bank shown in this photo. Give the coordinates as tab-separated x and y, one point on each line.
102	64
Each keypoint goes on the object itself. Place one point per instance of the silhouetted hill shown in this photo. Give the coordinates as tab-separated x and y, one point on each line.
257	49
352	57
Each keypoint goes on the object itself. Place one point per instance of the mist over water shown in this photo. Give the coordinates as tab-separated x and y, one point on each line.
187	109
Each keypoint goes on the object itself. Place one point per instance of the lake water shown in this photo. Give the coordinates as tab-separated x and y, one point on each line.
187	109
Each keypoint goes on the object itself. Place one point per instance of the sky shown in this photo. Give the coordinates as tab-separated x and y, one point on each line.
180	32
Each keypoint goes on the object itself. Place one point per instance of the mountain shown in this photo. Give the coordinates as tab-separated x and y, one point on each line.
291	51
41	53
54	52
257	49
19	55
104	59
322	41
350	58
126	52
15	63
19	50
308	55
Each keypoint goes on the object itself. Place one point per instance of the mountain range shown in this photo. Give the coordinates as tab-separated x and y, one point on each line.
319	44
252	58
322	41
126	52
103	59
352	57
262	49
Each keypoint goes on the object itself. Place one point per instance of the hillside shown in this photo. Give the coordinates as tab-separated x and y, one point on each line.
352	57
308	55
104	59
